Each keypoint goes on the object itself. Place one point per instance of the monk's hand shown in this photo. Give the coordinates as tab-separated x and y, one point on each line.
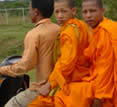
96	103
35	86
45	89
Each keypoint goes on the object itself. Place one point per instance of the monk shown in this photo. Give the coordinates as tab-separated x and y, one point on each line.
38	44
102	52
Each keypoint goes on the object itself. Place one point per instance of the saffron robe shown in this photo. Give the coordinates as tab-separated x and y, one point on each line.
101	82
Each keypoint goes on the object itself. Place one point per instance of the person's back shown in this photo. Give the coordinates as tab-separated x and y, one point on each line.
45	35
47	39
38	43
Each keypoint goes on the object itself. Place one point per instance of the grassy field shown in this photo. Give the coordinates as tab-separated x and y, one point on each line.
11	41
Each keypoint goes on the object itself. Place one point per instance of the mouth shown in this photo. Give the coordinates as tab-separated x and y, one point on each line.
61	21
90	22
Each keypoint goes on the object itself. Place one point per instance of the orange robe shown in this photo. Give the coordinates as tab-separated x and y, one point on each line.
101	82
111	27
71	67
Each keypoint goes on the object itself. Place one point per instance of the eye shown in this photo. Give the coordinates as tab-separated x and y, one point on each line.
63	11
93	10
84	11
56	11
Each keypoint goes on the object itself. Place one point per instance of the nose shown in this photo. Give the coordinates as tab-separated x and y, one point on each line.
88	14
60	14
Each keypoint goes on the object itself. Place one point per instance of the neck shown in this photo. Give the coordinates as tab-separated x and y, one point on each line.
38	19
98	23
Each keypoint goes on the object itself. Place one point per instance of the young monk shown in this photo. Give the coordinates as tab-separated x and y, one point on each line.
38	44
72	65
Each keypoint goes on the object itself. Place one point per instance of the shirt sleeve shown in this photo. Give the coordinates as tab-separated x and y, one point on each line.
104	67
65	64
28	60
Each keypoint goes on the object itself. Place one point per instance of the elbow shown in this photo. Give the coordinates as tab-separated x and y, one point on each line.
20	71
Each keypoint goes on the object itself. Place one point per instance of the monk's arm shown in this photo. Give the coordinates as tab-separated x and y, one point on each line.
28	60
104	62
65	64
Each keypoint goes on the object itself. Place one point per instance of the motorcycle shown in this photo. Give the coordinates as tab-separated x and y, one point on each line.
10	86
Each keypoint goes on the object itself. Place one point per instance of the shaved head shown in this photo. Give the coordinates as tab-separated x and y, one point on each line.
92	12
71	3
98	2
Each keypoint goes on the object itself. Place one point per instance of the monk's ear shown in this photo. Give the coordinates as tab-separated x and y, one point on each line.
74	11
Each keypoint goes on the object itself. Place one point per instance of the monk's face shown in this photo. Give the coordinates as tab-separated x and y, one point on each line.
92	13
63	12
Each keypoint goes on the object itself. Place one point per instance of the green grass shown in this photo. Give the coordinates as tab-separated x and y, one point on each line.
32	75
11	39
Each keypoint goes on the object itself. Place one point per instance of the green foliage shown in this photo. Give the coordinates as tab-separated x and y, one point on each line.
111	9
78	5
16	4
